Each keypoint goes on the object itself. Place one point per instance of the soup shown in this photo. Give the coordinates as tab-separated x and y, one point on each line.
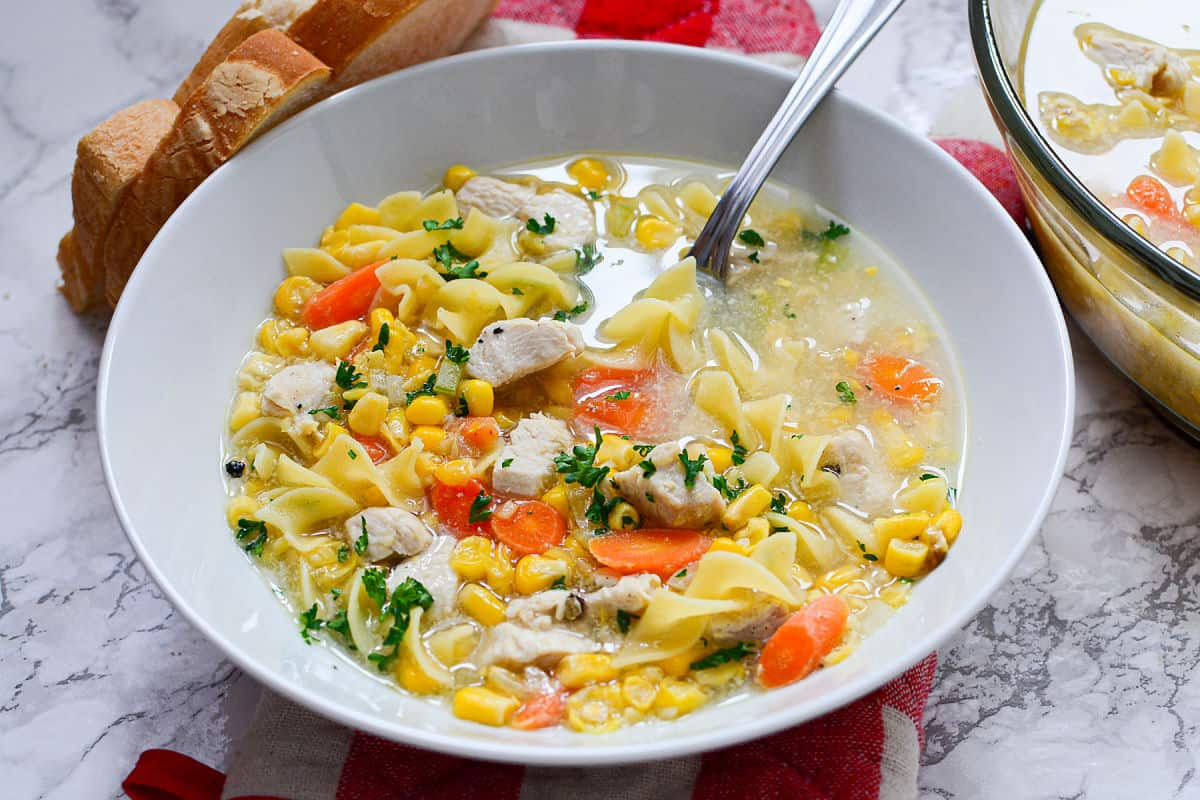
1116	87
501	444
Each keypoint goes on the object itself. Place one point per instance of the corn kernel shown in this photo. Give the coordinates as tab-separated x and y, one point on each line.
721	458
949	522
454	473
482	604
241	507
480	397
354	395
335	342
431	437
500	573
471	557
477	704
457	175
268	335
380	317
894	595
754	531
905	559
801	512
356	214
577	670
901	526
292	343
750	503
1191	212
714	677
616	451
871	271
420	367
851	356
368	414
723	544
427	410
556	498
596	709
293	294
680	664
623	517
906	455
454	644
538	573
395	429
678	697
639	692
590	173
246	408
928	495
655	233
329	432
413	678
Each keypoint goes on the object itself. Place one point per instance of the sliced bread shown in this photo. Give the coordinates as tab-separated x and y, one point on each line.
263	80
106	161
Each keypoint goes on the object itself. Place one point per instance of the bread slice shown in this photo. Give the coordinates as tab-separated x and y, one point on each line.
363	39
250	18
264	80
107	159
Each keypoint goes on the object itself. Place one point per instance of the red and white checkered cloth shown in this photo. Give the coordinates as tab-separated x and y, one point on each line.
869	750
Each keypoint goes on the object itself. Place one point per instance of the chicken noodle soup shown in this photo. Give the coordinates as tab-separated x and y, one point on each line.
465	463
1116	86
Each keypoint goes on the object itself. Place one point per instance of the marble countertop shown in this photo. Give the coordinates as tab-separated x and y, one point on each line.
1080	679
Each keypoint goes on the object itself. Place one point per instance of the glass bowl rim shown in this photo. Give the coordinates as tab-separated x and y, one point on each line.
1006	104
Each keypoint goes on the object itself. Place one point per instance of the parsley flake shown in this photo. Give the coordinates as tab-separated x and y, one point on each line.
446	225
835	231
424	389
360	544
385	335
787	311
309	623
691	468
330	411
559	583
343	554
579	466
624	619
868	556
446	254
481	510
586	258
927	476
721	484
517	291
739	451
252	527
779	503
643	449
754	257
648	468
563	316
348	377
752	238
724	656
845	393
546	227
621	395
506	463
468	270
374	581
457	353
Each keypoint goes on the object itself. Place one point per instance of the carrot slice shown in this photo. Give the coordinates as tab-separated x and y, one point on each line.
1151	196
661	551
613	399
376	448
453	507
528	526
901	380
799	644
345	299
480	432
540	711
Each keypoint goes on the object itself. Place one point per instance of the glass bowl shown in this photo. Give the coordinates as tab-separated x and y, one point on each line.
1139	306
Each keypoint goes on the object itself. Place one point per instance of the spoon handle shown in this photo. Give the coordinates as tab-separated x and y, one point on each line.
853	24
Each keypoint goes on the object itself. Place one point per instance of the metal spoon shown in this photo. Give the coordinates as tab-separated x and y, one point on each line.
854	23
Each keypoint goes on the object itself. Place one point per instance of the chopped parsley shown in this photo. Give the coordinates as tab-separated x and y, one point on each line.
906	580
593	194
353	455
787	311
730	492
339	625
643	449
517	291
579	466
650	498
408	595
330	411
600	508
374	581
343	554
559	583
252	527
752	238
724	656
457	353
797	435
481	510
739	452
624	619
845	393
835	231
563	316
546	227
952	495
621	395
360	544
648	468
506	463
446	254
446	225
779	503
423	389
754	257
691	468
927	476
385	335
468	270
460	408
586	258
309	623
868	556
682	573
348	377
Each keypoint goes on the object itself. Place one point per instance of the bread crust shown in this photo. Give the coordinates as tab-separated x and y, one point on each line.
261	82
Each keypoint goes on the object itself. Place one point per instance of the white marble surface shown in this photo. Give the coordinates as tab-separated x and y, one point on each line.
1079	680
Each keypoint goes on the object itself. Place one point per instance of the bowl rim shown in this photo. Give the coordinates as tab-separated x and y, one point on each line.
689	742
1006	103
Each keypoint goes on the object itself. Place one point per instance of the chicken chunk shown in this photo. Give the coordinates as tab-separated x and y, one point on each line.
1153	68
543	610
492	196
525	466
753	624
556	607
432	568
390	532
297	389
510	644
574	222
663	497
511	349
862	477
630	594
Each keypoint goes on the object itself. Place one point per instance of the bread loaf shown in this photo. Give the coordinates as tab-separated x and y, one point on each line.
263	81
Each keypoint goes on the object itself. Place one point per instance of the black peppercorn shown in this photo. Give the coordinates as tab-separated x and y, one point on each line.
235	467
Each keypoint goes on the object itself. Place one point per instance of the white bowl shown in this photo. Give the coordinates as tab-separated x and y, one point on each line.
188	314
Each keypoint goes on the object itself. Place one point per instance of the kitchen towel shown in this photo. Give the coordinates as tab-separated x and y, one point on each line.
868	750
